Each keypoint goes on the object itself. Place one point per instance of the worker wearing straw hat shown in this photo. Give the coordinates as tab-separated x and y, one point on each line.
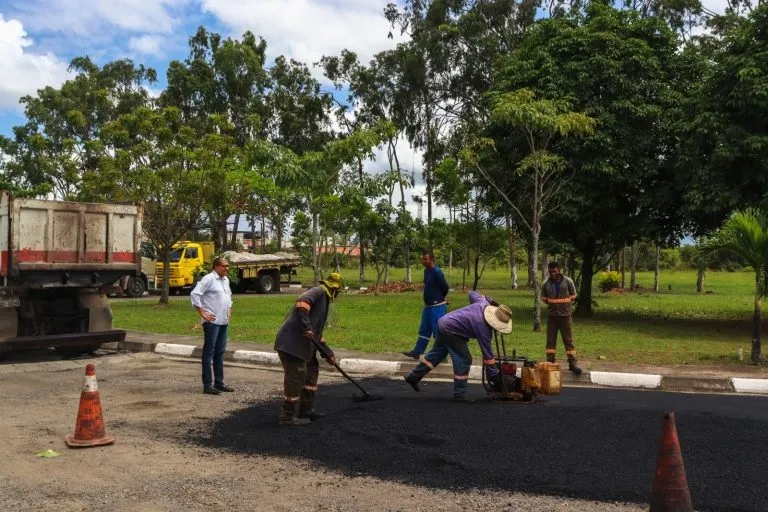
477	320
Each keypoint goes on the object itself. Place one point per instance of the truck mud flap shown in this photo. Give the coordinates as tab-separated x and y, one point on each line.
74	340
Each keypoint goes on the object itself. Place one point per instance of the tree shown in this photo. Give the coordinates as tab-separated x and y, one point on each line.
223	83
539	121
627	73
724	137
60	140
444	69
745	233
157	159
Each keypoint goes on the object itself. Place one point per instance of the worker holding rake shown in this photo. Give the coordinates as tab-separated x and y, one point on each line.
477	320
298	341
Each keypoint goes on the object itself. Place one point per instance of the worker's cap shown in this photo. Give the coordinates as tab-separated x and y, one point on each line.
334	281
500	318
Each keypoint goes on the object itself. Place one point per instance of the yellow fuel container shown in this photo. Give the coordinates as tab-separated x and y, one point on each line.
549	375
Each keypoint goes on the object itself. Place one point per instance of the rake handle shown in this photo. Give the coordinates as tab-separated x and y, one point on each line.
321	349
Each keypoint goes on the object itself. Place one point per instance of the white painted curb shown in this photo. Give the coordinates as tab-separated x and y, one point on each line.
369	366
173	349
253	356
626	380
741	385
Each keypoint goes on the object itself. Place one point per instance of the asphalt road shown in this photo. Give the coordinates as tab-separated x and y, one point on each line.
585	443
178	450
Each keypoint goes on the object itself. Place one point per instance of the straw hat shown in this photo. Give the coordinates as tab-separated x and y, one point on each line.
500	318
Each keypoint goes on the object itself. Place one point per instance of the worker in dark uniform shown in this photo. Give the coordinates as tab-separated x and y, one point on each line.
435	305
558	292
298	354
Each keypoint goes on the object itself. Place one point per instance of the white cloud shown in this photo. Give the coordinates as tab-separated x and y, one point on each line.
146	44
308	29
24	72
88	18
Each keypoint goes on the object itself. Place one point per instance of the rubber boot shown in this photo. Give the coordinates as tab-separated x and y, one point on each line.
288	417
413	381
572	367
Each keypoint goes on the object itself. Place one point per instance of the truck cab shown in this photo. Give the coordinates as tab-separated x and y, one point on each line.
186	257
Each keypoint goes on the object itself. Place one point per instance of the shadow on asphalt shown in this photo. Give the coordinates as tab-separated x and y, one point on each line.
584	443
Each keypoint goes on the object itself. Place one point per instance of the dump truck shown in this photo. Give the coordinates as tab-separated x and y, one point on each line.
259	272
185	261
56	260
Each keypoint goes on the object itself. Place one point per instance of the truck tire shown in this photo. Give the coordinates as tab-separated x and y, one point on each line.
265	283
135	287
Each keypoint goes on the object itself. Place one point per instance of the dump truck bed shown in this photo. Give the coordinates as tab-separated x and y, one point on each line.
56	243
276	260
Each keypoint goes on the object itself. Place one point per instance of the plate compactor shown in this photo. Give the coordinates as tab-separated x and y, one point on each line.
525	387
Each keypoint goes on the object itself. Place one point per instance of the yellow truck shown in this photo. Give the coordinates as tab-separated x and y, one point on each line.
186	257
259	272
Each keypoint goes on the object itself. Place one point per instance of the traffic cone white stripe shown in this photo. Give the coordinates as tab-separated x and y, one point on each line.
90	385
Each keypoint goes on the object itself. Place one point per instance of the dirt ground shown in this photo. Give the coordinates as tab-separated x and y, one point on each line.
156	410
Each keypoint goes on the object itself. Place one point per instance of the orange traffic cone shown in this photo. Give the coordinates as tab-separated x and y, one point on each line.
670	487
89	428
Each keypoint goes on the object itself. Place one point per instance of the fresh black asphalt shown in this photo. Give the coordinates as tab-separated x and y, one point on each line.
586	443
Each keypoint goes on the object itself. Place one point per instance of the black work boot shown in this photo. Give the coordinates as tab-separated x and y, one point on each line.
312	415
413	381
572	367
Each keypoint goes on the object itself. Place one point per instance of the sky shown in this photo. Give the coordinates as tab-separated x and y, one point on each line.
38	39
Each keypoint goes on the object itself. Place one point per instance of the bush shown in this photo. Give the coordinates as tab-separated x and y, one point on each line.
609	280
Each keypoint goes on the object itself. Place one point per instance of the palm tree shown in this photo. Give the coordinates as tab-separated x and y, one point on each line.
745	233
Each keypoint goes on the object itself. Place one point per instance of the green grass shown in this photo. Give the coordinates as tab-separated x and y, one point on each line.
676	326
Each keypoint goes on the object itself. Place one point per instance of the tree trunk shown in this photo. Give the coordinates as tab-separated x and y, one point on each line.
532	269
361	245
536	288
584	308
450	262
544	265
700	280
477	267
166	257
623	272
279	228
633	272
252	219
512	262
263	236
315	255
220	235
233	240
336	262
757	353
428	166
656	269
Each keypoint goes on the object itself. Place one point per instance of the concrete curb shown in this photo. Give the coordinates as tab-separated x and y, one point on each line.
373	367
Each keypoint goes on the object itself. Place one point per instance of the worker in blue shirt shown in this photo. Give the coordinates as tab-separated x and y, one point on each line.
435	305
